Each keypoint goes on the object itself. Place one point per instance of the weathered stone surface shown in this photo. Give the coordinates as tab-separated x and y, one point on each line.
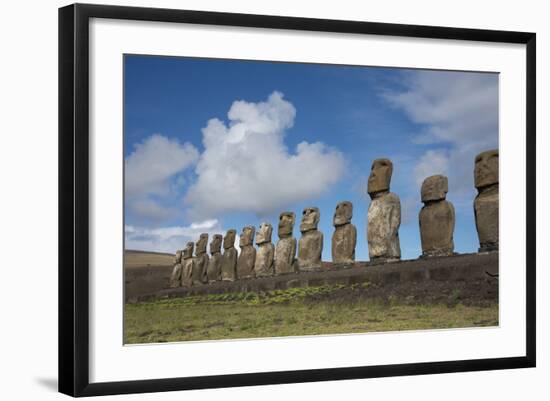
380	176
384	214
214	270
229	258
384	219
285	255
247	257
486	169
436	218
201	261
486	203
187	265
344	238
310	245
263	266
434	188
423	280
175	278
285	251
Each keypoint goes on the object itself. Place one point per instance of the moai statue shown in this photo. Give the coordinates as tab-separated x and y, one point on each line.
263	266
486	201
437	218
285	251
229	258
201	261
344	238
214	270
187	265
384	215
310	245
247	257
175	279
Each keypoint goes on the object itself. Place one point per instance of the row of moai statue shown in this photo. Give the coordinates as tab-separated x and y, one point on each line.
436	219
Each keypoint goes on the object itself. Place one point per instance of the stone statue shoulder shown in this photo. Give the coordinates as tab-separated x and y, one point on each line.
392	197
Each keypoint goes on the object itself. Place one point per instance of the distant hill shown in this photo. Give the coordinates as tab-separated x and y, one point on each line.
135	258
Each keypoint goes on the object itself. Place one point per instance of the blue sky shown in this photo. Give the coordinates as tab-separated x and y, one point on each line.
216	144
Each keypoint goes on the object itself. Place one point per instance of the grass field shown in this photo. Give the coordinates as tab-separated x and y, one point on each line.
292	312
140	259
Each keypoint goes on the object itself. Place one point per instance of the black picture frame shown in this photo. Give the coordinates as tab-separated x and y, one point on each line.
74	198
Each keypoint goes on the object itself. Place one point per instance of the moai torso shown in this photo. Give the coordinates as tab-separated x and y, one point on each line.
285	251
175	278
187	265
486	202
436	218
214	269
201	261
310	246
229	257
344	238
263	266
384	215
247	257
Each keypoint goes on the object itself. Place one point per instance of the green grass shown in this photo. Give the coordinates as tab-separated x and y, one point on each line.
292	312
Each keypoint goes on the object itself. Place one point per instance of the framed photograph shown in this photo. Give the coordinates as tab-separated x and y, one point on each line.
252	199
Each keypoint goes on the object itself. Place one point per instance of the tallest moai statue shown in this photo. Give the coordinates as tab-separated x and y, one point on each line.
384	215
486	202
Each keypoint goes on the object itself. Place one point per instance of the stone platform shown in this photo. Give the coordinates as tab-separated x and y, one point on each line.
478	270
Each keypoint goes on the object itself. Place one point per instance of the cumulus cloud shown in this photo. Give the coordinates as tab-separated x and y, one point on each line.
168	239
247	167
149	169
459	113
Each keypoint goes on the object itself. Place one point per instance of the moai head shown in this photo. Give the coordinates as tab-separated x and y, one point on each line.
264	233
216	244
343	213
177	259
486	169
310	219
188	251
380	176
286	224
201	244
229	239
434	188
247	236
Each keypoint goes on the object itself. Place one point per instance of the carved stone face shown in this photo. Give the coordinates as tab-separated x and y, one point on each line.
434	188
380	176
343	213
310	219
201	244
247	236
178	257
264	233
486	169
216	244
286	223
188	251
229	239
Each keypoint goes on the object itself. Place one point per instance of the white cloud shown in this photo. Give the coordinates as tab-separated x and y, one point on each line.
460	115
150	209
168	239
432	162
247	167
148	170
